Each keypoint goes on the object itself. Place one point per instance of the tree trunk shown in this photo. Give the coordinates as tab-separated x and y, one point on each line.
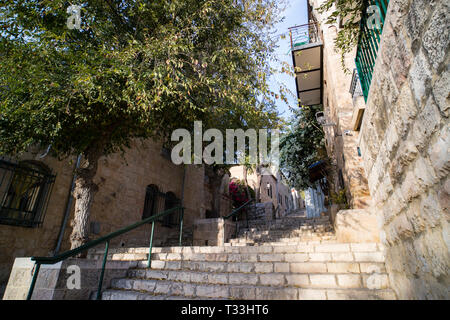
84	192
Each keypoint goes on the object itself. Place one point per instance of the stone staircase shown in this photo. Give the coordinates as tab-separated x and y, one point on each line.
289	229
292	270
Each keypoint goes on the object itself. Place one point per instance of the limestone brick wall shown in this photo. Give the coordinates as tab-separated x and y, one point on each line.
338	107
118	203
21	242
405	146
213	232
122	188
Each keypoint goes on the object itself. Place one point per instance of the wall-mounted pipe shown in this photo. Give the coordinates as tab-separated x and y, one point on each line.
45	153
67	210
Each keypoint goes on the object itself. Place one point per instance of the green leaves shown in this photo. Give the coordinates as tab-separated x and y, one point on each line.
301	146
348	12
135	69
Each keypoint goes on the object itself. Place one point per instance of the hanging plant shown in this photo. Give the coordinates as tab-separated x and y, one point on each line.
238	193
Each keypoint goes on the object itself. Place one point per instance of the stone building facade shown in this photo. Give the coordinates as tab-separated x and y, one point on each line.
339	105
358	222
284	198
273	188
404	144
120	201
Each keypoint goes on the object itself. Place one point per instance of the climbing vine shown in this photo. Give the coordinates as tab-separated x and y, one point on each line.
348	12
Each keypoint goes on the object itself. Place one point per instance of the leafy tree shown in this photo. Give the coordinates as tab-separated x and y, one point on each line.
135	69
349	13
302	145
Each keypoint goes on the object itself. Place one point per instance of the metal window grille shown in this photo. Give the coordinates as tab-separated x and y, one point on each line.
25	189
157	201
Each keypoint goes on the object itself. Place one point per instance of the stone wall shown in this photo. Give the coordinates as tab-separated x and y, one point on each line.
405	146
59	281
356	226
118	203
213	232
21	242
338	106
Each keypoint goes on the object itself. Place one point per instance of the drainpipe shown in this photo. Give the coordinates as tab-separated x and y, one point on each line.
67	210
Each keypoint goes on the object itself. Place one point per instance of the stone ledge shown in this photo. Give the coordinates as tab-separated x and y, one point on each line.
357	226
51	283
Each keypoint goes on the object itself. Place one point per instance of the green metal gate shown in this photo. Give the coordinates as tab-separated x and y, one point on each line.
371	28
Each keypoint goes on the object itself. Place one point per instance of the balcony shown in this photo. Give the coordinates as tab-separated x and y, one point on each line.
307	58
369	40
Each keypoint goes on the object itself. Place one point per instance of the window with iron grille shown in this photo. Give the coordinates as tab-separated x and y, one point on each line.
157	201
25	188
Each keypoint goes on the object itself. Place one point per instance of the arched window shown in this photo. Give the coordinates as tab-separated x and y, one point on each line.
151	201
171	201
24	192
157	201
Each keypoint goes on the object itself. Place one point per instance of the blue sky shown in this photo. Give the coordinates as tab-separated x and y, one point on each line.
295	14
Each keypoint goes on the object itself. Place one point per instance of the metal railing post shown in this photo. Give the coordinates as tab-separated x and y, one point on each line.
37	266
181	226
246	216
150	246
102	273
93	243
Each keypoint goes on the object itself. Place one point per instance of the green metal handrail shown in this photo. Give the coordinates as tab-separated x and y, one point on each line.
236	211
368	44
106	239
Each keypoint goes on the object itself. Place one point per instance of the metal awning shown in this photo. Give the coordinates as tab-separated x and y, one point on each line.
307	57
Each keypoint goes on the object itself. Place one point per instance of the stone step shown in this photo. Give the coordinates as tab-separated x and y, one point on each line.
289	219
267	267
306	280
286	233
281	232
135	288
375	256
284	236
292	242
275	247
281	240
353	262
284	226
114	294
264	227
